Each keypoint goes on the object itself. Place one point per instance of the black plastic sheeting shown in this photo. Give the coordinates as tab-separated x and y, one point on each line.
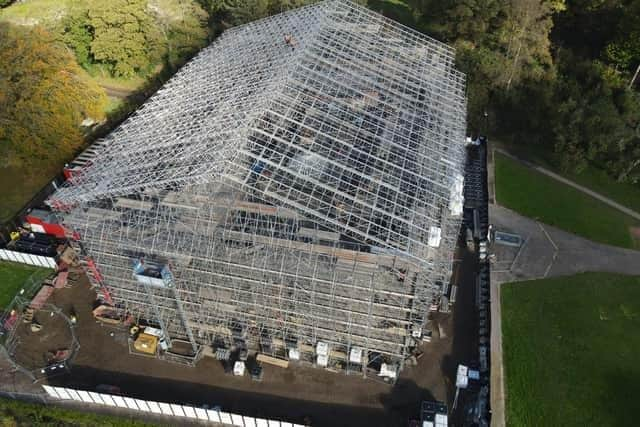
476	218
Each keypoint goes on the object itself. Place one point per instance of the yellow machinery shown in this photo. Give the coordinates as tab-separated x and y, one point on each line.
146	343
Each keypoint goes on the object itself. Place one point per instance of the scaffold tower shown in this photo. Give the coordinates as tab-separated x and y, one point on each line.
296	189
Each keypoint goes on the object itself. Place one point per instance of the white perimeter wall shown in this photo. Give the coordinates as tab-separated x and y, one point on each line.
37	260
161	408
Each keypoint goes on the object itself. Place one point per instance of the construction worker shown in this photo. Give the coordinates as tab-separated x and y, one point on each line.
290	41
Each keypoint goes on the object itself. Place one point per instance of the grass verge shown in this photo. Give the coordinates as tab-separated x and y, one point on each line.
13	276
543	198
627	194
570	349
17	413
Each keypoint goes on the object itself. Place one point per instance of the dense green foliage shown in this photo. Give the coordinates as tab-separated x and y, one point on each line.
550	73
585	116
539	196
131	36
16	413
123	37
13	276
570	347
44	97
553	73
235	12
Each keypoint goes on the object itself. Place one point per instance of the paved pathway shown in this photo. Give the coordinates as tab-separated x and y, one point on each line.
491	176
564	180
549	251
546	252
496	390
117	92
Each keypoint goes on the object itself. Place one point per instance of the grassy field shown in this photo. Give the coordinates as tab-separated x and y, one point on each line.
626	194
16	413
571	349
13	276
547	200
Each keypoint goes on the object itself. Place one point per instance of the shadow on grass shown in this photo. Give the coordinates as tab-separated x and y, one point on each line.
620	401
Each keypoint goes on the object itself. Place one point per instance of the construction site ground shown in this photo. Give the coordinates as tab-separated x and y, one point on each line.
32	348
295	394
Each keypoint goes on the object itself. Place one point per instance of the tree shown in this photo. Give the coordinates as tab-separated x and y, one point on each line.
124	36
78	34
525	40
44	97
132	36
500	44
472	21
183	25
624	50
597	119
237	12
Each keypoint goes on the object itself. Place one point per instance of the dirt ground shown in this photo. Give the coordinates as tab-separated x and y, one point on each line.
291	394
32	348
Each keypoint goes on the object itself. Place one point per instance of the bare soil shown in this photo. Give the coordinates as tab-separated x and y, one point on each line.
292	394
31	351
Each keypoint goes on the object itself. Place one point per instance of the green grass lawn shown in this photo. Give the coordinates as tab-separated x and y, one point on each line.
598	180
549	201
571	351
626	194
16	413
13	276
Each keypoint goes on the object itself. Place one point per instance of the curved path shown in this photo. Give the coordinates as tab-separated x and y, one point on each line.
570	183
547	252
117	92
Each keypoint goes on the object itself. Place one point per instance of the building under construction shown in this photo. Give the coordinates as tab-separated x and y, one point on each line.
295	189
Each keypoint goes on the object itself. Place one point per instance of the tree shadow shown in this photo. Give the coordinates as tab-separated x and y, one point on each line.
622	392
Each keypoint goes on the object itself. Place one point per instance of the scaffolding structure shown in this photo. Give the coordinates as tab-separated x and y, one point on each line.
296	188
